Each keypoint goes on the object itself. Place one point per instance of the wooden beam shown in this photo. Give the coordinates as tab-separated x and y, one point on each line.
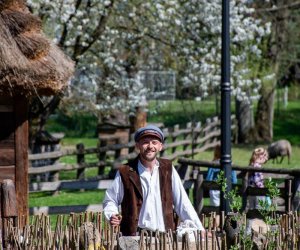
21	139
71	185
6	108
198	163
7	172
64	167
7	157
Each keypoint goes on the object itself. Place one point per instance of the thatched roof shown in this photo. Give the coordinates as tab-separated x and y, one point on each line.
30	63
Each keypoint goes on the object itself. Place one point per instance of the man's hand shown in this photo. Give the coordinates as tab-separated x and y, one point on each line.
115	220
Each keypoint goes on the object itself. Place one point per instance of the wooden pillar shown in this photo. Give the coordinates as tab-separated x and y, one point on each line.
245	177
102	156
288	195
9	209
140	118
296	189
1	224
189	126
198	193
9	199
113	170
21	146
80	160
174	138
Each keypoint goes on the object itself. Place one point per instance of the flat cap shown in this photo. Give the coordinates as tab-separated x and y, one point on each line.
149	130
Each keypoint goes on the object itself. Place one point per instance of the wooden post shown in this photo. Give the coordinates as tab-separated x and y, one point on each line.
55	176
195	134
80	160
207	130
117	162
288	195
166	133
9	199
117	151
296	188
245	177
131	148
21	151
9	208
215	120
187	135
198	193
102	156
1	227
174	138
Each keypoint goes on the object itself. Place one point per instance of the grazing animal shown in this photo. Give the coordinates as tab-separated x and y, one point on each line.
280	148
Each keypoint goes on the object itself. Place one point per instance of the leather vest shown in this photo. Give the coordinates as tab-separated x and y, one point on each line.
133	196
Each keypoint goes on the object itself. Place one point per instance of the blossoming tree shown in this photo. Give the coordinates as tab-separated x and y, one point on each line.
112	40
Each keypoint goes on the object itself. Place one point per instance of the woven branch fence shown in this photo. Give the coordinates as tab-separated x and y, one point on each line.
90	231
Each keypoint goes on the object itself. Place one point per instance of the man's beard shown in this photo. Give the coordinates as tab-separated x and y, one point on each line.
148	157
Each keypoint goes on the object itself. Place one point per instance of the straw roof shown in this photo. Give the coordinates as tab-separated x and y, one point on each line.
30	63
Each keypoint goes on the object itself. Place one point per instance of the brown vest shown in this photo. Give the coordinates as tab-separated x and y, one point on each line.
133	196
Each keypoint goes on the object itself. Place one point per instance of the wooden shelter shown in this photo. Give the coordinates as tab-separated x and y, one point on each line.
30	65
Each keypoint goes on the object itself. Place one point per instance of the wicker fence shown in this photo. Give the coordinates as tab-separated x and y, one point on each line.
90	231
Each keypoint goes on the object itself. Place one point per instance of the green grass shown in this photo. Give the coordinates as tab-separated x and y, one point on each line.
66	197
88	142
180	111
287	123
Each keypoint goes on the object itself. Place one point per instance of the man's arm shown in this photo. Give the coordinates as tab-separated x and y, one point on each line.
182	204
113	198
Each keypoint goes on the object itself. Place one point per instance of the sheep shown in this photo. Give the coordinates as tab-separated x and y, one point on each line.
280	148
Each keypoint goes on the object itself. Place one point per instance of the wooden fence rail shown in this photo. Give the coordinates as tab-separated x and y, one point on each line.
190	171
179	142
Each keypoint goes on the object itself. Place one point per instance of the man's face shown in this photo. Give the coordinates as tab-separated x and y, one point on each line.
149	147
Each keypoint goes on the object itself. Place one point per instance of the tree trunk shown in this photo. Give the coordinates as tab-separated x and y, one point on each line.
244	115
265	115
279	48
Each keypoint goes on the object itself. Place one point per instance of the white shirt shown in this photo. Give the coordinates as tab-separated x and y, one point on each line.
151	215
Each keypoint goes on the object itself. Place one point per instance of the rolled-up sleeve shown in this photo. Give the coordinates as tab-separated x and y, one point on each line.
182	203
113	197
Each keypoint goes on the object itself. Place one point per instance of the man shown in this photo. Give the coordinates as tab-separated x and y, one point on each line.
148	188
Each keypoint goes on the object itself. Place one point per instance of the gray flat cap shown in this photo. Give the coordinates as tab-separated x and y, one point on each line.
149	130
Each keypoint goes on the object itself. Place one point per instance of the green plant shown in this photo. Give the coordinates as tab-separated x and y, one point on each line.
235	204
267	210
235	201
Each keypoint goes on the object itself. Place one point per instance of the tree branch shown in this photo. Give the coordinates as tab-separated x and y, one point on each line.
65	29
280	8
98	30
147	34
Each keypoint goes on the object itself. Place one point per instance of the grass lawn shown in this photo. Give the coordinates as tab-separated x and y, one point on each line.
66	197
180	111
